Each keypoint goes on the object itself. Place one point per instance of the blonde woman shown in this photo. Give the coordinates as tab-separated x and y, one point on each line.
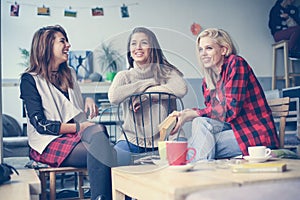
236	115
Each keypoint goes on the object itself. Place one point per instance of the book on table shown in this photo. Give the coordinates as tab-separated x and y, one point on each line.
260	167
166	126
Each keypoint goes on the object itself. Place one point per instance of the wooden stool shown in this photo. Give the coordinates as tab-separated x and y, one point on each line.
288	65
51	172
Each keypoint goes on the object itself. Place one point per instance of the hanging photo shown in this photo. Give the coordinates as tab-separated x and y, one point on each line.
124	11
97	11
14	10
43	11
70	13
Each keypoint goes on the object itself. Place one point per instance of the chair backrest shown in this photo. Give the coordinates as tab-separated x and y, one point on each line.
293	119
280	111
153	108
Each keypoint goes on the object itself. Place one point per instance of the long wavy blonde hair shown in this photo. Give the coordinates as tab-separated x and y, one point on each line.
221	38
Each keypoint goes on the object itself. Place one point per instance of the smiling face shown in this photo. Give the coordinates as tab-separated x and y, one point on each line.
60	50
140	48
211	54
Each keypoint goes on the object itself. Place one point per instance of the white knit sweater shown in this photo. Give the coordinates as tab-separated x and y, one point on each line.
138	80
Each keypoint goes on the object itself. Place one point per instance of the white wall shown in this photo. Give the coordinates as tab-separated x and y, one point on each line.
246	20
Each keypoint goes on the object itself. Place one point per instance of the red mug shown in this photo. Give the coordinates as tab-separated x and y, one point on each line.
177	152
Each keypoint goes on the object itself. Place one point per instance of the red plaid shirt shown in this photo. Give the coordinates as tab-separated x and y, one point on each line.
239	100
57	151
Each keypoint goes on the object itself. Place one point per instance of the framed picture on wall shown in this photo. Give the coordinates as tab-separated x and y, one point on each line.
14	10
82	62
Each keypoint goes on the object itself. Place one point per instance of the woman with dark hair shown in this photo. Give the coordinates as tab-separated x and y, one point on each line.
236	113
58	131
284	23
149	71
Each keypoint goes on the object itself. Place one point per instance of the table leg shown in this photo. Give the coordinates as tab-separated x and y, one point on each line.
117	195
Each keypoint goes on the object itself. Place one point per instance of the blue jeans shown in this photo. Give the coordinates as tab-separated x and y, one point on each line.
124	152
133	148
213	139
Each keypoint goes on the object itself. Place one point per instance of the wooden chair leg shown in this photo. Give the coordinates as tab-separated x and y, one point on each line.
52	185
292	71
80	185
43	185
282	131
274	75
286	64
51	172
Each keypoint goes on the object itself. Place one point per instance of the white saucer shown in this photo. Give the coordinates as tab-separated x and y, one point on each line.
160	162
182	168
256	159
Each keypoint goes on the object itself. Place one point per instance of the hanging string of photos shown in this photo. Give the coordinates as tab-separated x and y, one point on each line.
68	12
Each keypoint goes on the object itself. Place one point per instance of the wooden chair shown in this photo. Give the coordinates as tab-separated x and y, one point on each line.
280	111
145	119
51	173
289	71
292	131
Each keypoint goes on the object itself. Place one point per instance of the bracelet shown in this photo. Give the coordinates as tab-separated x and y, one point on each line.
77	127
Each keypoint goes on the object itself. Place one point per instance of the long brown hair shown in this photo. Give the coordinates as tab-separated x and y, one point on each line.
41	57
162	67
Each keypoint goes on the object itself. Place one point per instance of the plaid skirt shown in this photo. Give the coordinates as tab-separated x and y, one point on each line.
57	151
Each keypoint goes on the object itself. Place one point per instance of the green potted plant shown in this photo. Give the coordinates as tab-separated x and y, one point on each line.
25	56
109	59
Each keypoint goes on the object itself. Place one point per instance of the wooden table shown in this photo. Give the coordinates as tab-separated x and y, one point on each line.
145	182
26	186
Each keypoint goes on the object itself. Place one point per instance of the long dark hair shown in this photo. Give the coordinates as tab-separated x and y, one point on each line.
41	56
162	67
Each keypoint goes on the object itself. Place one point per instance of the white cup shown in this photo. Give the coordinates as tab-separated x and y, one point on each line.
162	150
259	151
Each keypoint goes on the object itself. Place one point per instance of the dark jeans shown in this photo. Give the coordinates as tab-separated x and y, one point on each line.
291	34
97	154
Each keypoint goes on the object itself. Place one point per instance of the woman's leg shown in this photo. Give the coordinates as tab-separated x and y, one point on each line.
123	153
226	145
213	139
77	158
101	156
291	34
202	139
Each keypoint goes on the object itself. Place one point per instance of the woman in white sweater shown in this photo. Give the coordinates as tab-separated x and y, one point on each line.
149	71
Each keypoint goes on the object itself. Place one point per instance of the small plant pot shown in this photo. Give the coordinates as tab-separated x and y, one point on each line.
110	76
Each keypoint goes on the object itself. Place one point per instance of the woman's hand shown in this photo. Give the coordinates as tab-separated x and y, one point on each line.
90	107
284	15
86	124
137	103
182	117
